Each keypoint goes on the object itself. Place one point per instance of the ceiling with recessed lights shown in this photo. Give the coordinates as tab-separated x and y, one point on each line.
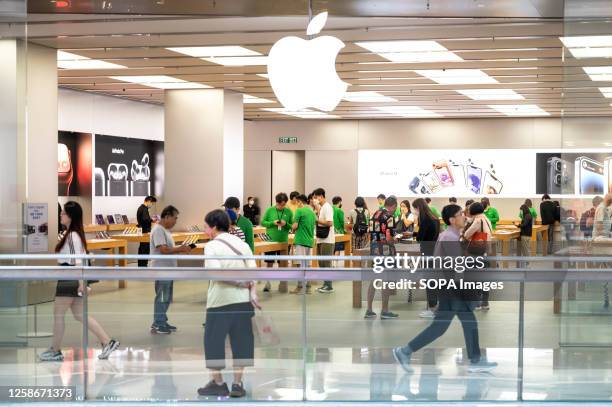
505	63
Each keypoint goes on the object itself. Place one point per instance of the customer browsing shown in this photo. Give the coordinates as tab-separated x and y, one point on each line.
162	243
326	238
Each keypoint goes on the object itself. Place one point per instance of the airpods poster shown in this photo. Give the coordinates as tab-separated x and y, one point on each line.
127	166
445	173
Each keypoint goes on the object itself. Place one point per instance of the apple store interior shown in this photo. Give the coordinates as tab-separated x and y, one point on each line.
305	128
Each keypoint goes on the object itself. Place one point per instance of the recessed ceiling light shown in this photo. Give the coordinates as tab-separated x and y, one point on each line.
520	110
67	60
410	51
586	41
407	111
161	82
216	51
607	92
580	53
304	113
599	73
254	99
457	76
367	96
239	61
491	94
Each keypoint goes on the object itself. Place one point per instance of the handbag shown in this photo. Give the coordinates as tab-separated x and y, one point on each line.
264	331
478	243
323	231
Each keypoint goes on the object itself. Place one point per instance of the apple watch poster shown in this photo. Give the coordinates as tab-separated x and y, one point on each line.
73	163
127	166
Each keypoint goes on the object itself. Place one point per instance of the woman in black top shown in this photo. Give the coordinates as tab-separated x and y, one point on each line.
429	228
251	210
526	226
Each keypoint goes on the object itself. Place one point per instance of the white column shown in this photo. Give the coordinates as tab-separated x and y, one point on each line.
204	146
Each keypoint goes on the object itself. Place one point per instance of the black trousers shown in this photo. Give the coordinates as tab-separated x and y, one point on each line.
233	320
447	310
143	248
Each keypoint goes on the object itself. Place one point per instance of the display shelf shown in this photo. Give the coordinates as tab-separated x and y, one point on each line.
95	228
120	227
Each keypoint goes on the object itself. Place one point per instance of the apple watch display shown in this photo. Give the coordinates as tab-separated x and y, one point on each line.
64	169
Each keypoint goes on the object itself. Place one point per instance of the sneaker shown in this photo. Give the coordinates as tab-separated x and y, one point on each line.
214	389
108	349
296	290
156	329
427	314
170	327
403	359
51	355
478	308
485	307
482	366
325	289
388	315
237	390
370	315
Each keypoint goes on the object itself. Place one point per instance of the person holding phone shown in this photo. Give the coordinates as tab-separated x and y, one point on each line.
230	305
277	220
68	293
405	224
162	243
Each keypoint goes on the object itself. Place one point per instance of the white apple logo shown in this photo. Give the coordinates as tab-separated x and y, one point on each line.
303	72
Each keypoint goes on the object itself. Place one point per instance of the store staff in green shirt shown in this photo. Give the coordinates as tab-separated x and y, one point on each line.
232	203
490	212
532	211
303	241
277	220
338	223
433	209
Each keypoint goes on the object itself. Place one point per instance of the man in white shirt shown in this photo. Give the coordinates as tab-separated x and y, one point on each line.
229	309
326	237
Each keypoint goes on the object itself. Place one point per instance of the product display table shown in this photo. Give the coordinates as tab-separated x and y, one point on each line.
109	246
107	228
145	237
258	230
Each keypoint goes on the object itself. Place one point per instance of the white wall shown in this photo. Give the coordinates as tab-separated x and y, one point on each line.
97	114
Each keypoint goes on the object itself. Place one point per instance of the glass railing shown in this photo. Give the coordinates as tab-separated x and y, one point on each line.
549	331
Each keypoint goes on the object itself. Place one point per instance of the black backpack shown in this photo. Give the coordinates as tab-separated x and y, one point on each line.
361	225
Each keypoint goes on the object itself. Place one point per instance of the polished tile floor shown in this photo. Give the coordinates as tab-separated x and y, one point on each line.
332	353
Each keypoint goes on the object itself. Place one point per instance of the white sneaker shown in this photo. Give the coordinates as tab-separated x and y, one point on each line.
427	314
51	355
108	349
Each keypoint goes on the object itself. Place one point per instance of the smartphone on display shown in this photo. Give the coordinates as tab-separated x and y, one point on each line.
443	173
100	219
492	184
417	186
431	181
125	219
559	176
111	220
608	174
473	178
458	173
589	176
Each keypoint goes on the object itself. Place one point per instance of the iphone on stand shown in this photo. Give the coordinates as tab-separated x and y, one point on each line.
458	172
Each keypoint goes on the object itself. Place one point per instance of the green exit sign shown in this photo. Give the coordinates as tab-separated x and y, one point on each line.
287	140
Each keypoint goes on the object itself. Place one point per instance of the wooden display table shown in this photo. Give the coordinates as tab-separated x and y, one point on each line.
107	228
146	237
109	246
259	230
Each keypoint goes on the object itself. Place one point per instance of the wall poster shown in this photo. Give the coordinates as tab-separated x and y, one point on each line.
74	163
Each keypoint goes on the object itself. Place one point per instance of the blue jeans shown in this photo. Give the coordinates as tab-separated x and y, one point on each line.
447	310
163	298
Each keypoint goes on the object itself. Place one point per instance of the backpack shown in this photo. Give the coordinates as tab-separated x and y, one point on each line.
361	225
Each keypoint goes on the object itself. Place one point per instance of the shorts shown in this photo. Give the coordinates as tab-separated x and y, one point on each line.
67	288
233	320
339	247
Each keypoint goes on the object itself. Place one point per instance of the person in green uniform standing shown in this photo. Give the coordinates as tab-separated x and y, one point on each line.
303	241
277	220
232	203
338	223
490	212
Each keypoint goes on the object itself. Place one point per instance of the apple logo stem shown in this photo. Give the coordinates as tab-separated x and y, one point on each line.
303	72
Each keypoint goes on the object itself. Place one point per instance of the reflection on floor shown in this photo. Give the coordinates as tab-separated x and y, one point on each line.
343	356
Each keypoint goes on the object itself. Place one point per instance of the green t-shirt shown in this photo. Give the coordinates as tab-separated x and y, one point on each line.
272	214
435	211
338	220
397	213
306	219
533	212
247	227
493	216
